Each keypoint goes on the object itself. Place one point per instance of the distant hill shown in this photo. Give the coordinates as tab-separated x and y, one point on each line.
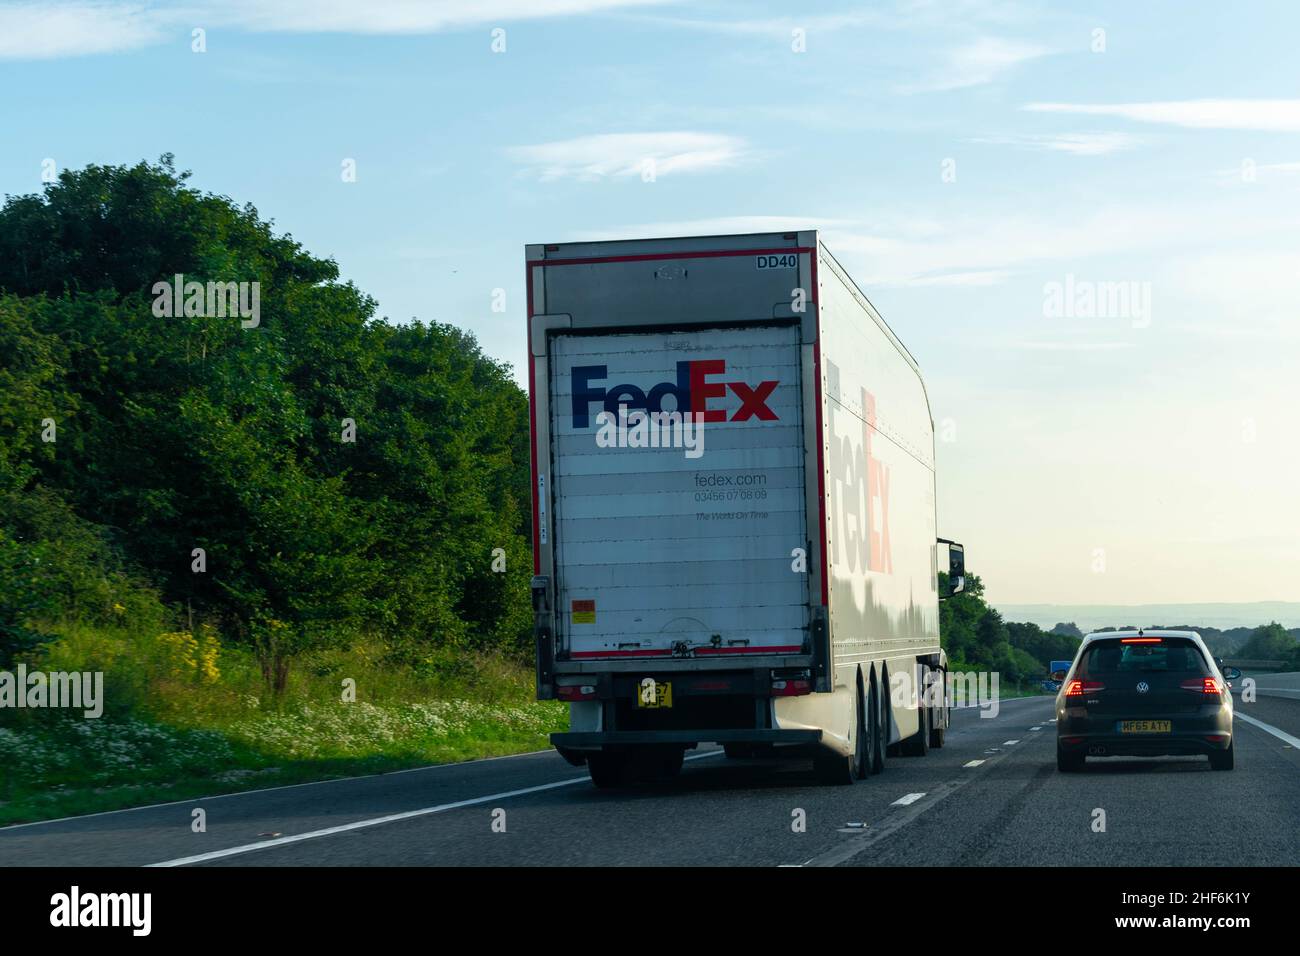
1222	616
1225	627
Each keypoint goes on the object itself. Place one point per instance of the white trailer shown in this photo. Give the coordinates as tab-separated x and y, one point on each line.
733	508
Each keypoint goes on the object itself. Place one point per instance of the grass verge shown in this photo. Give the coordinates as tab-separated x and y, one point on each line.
185	717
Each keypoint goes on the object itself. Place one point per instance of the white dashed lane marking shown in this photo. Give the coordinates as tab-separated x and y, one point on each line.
906	799
1010	743
972	763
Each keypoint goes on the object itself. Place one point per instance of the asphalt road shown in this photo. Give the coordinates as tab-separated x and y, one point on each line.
1012	808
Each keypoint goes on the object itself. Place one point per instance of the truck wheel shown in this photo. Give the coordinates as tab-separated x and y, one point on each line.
879	735
939	731
607	770
918	745
836	769
862	743
833	769
1221	759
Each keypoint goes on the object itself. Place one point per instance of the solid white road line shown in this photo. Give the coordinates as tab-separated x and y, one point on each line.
205	798
1281	735
972	763
908	798
378	821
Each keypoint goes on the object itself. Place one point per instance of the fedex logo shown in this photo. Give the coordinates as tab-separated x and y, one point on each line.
861	515
697	384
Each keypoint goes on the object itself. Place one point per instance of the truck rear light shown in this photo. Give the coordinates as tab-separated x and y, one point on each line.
1077	688
1206	685
576	692
791	688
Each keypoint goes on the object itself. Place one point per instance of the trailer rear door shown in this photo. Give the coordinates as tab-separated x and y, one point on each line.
663	550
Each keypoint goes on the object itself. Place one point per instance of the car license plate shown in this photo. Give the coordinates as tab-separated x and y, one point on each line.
653	693
1145	726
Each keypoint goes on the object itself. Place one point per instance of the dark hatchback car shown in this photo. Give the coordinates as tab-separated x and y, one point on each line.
1144	694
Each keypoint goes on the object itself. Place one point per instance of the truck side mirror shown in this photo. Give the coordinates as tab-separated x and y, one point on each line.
956	567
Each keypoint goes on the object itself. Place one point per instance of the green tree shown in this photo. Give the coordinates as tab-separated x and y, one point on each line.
337	475
1269	642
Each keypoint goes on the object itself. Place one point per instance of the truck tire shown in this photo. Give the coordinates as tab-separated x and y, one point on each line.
940	719
835	769
918	745
862	738
608	771
879	734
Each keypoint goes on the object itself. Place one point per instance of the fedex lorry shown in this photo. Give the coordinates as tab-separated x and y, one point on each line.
733	509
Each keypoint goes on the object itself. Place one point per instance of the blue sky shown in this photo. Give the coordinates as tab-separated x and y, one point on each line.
1147	454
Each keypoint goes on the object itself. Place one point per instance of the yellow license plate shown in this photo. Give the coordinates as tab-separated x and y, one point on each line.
652	693
1145	726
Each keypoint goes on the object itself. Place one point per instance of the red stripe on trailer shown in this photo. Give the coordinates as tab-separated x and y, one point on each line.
699	651
656	256
821	464
532	420
782	649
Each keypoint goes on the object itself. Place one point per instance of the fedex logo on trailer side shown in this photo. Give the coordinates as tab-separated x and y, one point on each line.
691	391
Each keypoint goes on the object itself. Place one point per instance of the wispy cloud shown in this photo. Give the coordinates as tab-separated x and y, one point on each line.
906	248
1071	346
45	29
37	31
983	61
1077	144
612	155
1250	171
1268	115
405	16
774	27
715	226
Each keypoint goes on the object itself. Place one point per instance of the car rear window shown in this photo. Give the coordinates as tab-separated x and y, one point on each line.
1170	656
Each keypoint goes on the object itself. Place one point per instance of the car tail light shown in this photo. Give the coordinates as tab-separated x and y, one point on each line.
1216	738
791	688
1141	640
1206	685
576	692
1077	688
